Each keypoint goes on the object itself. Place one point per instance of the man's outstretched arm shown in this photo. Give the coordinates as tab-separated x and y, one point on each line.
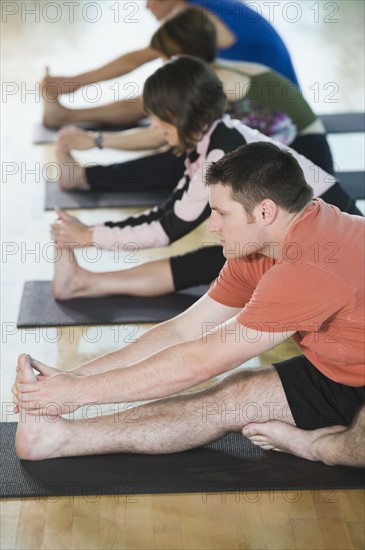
199	317
168	371
192	323
181	366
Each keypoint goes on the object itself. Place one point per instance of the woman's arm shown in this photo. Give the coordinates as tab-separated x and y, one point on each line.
185	209
136	139
118	67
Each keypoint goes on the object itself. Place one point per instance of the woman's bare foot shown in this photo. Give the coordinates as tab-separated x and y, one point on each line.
63	84
38	437
70	280
280	436
71	172
54	114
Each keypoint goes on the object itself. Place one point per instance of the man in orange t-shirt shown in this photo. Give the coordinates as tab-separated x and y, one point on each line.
295	269
299	273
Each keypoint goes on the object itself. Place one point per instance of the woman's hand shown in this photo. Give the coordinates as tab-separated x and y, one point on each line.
71	137
70	232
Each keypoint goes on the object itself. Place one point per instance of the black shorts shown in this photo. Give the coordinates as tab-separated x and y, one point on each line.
316	401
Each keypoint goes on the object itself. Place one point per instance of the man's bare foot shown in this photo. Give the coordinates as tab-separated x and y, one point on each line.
38	437
280	436
70	280
71	173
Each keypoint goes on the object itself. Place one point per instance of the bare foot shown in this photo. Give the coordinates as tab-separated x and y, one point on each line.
69	279
71	173
54	114
62	84
280	436
38	437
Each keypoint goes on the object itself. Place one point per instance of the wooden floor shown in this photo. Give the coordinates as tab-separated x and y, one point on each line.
327	47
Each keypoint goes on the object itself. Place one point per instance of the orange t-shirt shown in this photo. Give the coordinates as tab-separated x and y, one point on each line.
317	289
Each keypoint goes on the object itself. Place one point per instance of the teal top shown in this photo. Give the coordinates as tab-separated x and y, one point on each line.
273	105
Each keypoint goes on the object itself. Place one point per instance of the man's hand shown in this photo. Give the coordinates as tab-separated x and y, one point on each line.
52	395
69	231
44	372
71	137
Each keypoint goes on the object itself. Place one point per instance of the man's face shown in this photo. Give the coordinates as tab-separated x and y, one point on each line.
162	8
239	234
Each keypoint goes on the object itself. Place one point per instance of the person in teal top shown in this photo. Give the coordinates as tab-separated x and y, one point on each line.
270	103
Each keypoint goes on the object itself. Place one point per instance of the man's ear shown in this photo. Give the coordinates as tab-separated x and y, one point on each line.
267	211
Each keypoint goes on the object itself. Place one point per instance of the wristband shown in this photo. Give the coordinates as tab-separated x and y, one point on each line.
98	140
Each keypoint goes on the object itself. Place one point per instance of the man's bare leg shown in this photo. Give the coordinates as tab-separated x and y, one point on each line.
72	281
332	445
166	426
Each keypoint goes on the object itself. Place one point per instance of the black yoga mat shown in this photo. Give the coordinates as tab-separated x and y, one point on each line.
230	464
39	308
42	134
353	183
71	200
343	123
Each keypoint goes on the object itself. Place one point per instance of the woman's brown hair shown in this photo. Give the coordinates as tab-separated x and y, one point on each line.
186	93
188	31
